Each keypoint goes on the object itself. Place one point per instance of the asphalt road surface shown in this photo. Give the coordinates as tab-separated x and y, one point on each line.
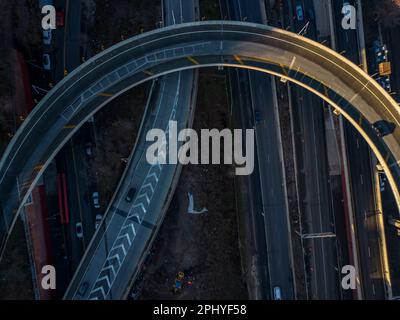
254	92
312	164
362	188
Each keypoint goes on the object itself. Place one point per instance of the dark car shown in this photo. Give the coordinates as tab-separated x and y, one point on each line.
257	116
130	195
310	13
60	18
83	288
383	128
385	83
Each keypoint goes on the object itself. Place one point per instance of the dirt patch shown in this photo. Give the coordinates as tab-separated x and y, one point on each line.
19	28
204	246
15	271
117	126
108	23
209	10
118	123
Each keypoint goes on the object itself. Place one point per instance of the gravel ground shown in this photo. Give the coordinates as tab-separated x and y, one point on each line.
15	271
203	246
109	22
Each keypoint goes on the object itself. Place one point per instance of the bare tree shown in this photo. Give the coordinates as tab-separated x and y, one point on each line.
387	12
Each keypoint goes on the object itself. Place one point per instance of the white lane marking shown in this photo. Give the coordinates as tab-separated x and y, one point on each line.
292	63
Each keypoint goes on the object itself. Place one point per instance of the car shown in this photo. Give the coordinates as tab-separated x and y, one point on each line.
382	179
385	83
46	62
130	195
96	201
60	18
88	149
381	56
299	13
98	219
277	293
257	115
83	288
79	230
47	37
311	15
346	6
43	3
383	128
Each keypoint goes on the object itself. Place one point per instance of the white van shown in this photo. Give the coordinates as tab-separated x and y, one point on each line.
277	293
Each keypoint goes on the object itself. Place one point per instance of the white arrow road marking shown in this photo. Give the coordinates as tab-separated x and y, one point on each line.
121	238
111	267
144	195
153	175
150	186
121	246
104	278
139	205
93	295
117	257
131	228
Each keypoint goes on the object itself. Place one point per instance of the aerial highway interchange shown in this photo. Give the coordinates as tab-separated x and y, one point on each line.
257	56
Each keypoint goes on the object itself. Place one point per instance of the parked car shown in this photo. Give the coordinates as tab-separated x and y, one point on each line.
83	288
382	55
45	3
277	293
383	128
96	201
60	18
79	230
385	83
46	62
88	149
311	14
382	179
345	6
130	195
47	36
299	13
98	219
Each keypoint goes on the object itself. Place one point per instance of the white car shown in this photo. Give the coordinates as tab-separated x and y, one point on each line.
79	230
346	8
277	293
46	61
99	217
96	201
47	37
88	149
299	13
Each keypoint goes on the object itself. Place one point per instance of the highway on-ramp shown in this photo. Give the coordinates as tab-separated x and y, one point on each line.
120	245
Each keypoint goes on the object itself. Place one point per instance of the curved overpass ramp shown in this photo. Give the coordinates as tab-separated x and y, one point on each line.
215	43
